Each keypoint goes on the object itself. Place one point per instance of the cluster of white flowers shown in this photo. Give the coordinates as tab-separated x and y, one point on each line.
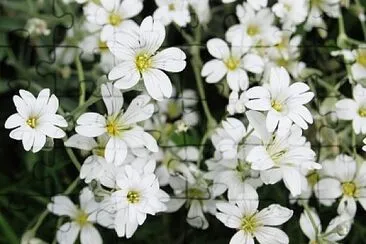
130	157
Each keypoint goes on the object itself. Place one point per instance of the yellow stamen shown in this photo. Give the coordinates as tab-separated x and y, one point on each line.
114	19
249	224
171	7
349	189
133	197
232	63
143	62
253	30
362	112
102	46
32	122
81	218
276	106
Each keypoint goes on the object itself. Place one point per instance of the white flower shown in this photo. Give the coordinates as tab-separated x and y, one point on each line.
291	13
228	139
172	11
354	109
37	27
137	195
342	179
82	219
114	16
198	198
243	215
254	27
121	127
175	161
364	147
280	155
139	58
337	229
284	102
92	44
317	7
233	63
233	175
202	10
237	103
258	4
357	59
35	119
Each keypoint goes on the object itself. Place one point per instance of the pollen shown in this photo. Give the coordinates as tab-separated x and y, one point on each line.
253	30
32	122
232	63
249	224
143	62
112	128
102	46
133	197
81	218
361	58
276	106
362	112
171	7
115	19
349	189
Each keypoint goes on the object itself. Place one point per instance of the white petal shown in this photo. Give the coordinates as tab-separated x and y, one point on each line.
241	237
116	151
62	206
138	110
274	215
15	120
218	48
157	84
90	235
152	34
253	63
81	142
214	71
171	59
271	235
67	233
112	98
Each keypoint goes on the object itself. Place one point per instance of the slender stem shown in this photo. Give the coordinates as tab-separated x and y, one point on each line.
44	214
7	231
73	157
81	76
76	112
196	64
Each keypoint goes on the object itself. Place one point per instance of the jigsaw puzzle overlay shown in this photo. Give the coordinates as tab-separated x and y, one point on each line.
182	121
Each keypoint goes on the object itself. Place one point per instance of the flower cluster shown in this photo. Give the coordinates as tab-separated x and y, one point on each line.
212	138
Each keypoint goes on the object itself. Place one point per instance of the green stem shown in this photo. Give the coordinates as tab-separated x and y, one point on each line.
81	76
7	231
79	110
72	156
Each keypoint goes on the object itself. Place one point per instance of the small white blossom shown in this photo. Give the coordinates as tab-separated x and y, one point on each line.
138	194
291	13
317	8
243	215
81	218
233	64
172	11
140	59
342	179
331	233
37	27
284	102
114	16
354	109
120	126
35	119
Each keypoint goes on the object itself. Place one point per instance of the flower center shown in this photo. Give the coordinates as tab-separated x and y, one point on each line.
252	30
81	218
195	193
143	62
32	122
276	105
287	7
361	58
349	189
171	7
112	128
99	151
312	178
362	111
249	224
102	46
232	63
282	62
115	19
133	197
